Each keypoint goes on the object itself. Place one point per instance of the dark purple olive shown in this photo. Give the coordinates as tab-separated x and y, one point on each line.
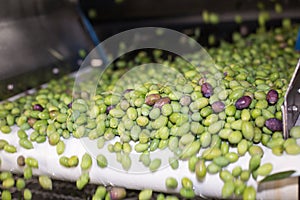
185	100
274	124
70	105
151	99
109	108
117	193
160	102
38	107
243	102
272	97
218	106
207	90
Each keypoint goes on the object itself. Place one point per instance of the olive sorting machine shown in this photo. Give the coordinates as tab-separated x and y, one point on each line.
40	40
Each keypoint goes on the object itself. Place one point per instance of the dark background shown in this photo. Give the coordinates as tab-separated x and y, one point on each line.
109	17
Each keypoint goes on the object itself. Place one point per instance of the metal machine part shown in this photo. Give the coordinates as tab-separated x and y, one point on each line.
298	41
39	40
291	107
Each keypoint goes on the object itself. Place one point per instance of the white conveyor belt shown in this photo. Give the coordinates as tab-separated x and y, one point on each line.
210	187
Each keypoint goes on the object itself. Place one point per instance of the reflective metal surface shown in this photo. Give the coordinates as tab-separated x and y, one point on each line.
291	109
39	39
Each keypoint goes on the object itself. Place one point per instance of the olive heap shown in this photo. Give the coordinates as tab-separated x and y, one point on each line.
235	104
